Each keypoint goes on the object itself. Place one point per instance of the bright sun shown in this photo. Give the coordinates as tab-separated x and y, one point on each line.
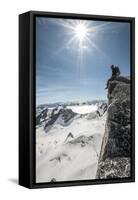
80	31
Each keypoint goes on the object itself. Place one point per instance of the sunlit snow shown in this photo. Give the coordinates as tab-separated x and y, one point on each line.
83	109
70	151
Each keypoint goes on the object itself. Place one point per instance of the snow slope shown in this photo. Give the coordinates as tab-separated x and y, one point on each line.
83	109
70	151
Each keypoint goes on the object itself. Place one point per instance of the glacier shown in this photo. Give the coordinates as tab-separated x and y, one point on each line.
68	141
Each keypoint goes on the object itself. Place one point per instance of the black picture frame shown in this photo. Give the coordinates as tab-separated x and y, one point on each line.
27	98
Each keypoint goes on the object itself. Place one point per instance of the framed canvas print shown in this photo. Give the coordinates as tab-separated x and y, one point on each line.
76	99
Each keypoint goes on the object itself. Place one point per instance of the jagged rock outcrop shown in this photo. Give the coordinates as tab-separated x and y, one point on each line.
114	160
65	114
69	136
41	116
81	140
101	109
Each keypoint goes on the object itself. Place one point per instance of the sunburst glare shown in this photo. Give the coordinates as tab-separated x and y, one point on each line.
81	36
81	31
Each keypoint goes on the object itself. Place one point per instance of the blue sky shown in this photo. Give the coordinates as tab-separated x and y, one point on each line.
69	71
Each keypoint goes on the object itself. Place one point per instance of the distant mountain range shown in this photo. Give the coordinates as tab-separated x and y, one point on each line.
40	107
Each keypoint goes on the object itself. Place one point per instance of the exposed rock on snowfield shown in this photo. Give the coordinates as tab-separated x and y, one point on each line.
115	152
41	116
69	136
65	116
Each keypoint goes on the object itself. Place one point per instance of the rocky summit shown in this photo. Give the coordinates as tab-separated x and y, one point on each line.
114	160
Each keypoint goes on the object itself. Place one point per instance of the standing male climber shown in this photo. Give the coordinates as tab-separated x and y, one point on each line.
115	74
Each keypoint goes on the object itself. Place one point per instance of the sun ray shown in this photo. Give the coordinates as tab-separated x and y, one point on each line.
92	43
67	24
94	46
102	26
66	45
82	34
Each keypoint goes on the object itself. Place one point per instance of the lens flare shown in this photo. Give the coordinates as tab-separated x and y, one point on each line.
81	31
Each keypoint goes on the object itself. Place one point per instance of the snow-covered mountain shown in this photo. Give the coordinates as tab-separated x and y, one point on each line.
68	140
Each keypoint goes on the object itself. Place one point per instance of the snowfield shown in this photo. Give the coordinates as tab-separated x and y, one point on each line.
68	148
83	109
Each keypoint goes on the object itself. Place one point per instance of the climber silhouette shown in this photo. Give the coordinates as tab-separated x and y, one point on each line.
115	74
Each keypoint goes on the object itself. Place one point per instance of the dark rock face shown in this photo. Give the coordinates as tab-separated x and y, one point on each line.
70	135
53	118
81	140
53	180
49	116
66	115
41	117
101	109
116	168
116	146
